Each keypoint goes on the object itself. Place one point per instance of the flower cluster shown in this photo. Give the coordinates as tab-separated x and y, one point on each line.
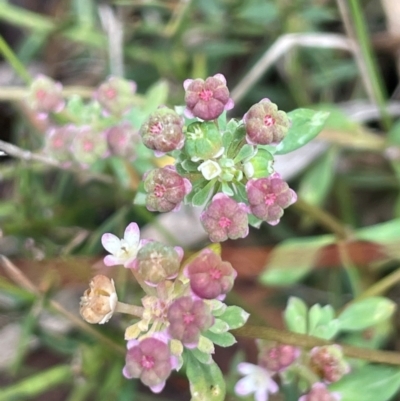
182	314
323	365
224	166
83	133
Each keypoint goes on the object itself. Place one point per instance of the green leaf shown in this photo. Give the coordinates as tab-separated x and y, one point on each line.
295	315
222	339
140	197
290	261
202	196
306	125
206	380
202	357
366	313
327	330
245	152
222	122
254	221
235	317
317	182
219	327
369	383
156	95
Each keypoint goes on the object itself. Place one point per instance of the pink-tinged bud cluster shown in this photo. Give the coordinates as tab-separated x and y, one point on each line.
207	99
58	142
150	361
123	251
210	277
45	95
88	146
157	262
116	95
163	131
225	218
123	141
278	358
165	189
319	392
265	124
329	363
188	318
268	197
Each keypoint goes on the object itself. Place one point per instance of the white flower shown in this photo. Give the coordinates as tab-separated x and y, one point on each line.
257	380
210	169
123	251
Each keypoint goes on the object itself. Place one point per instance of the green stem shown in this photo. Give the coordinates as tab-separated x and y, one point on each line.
308	342
13	60
351	270
357	22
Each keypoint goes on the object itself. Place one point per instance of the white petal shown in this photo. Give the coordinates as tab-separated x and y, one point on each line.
261	394
111	243
132	235
244	386
245	368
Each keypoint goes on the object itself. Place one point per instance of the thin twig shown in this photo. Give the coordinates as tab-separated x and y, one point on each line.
305	341
280	48
19	278
15	151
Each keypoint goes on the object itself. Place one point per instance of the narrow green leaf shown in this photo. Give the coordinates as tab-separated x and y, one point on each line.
234	316
219	327
202	357
223	339
202	196
206	380
366	313
369	383
306	125
295	315
245	152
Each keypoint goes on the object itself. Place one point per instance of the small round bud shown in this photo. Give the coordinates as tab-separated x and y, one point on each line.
188	319
319	392
209	276
45	95
207	99
165	189
163	131
123	141
150	361
268	197
203	141
88	146
265	124
157	262
58	142
225	218
259	166
116	95
99	300
276	358
329	363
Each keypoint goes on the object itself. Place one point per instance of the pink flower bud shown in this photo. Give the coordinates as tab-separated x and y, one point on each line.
210	277
163	131
268	197
58	142
207	99
225	218
150	361
45	95
265	124
165	189
157	262
329	363
123	141
319	392
188	318
88	146
278	358
116	95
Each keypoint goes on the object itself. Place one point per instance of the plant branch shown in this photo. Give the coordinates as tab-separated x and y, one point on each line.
19	278
305	341
15	151
16	93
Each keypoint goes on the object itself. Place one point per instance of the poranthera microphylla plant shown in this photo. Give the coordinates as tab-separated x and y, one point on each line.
224	166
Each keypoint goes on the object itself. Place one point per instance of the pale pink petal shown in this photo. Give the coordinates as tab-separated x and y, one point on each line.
230	104
111	260
244	386
221	78
186	83
111	243
158	388
245	368
180	252
132	234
